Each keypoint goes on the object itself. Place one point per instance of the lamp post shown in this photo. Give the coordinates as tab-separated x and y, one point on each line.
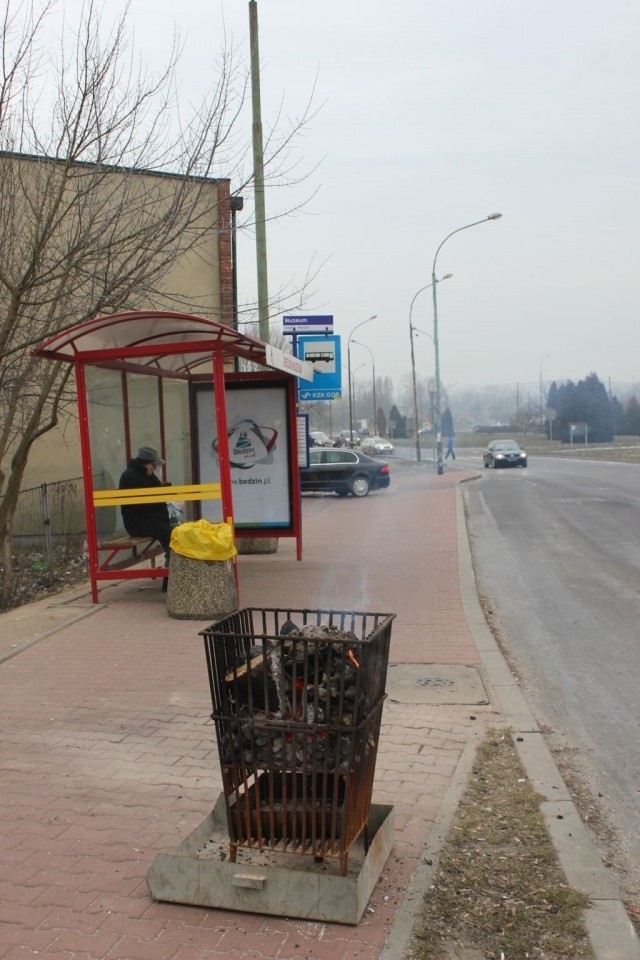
357	326
373	382
352	391
438	423
447	276
541	363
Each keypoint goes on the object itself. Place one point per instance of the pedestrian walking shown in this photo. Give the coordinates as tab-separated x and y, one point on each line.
450	451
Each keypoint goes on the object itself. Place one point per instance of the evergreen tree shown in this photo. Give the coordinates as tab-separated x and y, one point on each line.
584	402
397	423
618	417
381	423
633	417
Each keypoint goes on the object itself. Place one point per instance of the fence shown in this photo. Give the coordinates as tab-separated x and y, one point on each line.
48	541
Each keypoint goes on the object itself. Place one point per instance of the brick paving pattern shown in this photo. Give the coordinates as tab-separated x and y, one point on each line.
108	754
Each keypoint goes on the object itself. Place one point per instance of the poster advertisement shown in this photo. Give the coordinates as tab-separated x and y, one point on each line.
258	452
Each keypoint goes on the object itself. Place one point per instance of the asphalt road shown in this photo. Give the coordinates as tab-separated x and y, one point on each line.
556	548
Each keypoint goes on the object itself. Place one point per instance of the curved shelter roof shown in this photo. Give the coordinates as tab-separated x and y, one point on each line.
177	343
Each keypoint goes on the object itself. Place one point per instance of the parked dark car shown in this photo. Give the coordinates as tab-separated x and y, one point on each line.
343	471
504	453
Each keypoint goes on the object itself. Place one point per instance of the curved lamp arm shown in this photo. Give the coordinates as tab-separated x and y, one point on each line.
492	216
438	412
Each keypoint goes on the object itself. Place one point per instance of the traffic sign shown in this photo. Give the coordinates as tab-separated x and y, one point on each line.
323	352
306	322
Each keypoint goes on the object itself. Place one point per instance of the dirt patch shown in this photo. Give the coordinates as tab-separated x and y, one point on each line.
499	890
34	578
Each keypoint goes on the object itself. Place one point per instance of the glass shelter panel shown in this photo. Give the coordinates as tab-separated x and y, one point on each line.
107	438
144	412
177	433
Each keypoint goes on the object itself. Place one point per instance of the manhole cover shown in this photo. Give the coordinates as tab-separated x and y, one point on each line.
435	683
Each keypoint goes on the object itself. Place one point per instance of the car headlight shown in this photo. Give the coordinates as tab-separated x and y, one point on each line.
499	456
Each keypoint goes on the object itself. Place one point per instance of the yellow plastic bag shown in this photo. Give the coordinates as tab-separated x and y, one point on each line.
203	540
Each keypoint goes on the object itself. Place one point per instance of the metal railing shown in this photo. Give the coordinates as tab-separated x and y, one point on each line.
48	538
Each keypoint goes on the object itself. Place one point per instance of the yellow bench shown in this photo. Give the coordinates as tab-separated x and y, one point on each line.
190	491
142	548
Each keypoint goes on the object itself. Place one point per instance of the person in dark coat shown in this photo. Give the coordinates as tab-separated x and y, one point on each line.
145	519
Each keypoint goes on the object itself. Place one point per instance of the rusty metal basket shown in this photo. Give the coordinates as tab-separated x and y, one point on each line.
297	704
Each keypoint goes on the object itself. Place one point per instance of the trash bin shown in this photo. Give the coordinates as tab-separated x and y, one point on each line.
297	702
202	583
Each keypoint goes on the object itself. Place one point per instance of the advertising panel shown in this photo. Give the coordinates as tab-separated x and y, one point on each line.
258	434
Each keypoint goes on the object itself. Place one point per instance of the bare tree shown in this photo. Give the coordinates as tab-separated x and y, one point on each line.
103	183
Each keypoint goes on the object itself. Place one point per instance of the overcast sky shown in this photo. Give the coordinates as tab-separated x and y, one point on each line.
433	115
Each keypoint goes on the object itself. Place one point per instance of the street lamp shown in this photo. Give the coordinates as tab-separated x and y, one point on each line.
438	423
361	324
447	276
352	390
541	363
373	380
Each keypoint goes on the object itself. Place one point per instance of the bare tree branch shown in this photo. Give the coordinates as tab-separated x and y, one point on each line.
106	179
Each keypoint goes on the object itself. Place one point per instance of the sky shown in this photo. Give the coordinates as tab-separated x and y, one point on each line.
431	115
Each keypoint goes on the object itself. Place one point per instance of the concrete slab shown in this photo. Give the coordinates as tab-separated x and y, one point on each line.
611	932
498	670
435	683
199	873
516	708
540	766
580	860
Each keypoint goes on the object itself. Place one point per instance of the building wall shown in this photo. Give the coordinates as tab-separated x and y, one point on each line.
198	280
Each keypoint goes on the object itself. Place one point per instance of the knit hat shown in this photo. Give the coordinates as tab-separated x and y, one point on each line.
149	455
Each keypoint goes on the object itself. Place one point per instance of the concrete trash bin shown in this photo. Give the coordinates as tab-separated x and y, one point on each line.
202	583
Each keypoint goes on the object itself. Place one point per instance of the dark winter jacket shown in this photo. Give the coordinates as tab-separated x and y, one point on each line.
136	476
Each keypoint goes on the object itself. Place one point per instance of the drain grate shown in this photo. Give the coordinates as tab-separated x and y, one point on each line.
435	682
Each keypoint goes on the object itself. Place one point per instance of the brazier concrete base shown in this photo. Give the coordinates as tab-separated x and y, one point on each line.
288	885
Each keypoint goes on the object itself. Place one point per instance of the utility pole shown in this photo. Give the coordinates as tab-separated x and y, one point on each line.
258	177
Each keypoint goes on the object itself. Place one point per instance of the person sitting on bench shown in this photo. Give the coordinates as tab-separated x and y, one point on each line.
145	519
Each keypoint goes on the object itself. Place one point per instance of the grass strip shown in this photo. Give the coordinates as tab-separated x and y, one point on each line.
499	890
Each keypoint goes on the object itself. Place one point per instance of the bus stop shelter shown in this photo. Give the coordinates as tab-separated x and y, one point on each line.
229	438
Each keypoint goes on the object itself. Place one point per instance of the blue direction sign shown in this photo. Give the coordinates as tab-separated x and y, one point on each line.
324	354
306	322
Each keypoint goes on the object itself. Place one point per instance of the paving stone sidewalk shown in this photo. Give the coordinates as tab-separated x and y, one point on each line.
108	754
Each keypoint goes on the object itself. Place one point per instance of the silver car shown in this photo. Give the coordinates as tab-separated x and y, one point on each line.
377	446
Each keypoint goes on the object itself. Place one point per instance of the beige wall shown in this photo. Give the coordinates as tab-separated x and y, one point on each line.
197	281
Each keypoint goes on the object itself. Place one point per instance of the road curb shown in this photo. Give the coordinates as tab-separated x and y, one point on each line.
610	930
74	617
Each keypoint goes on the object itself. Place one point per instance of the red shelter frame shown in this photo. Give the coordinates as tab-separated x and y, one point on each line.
179	346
